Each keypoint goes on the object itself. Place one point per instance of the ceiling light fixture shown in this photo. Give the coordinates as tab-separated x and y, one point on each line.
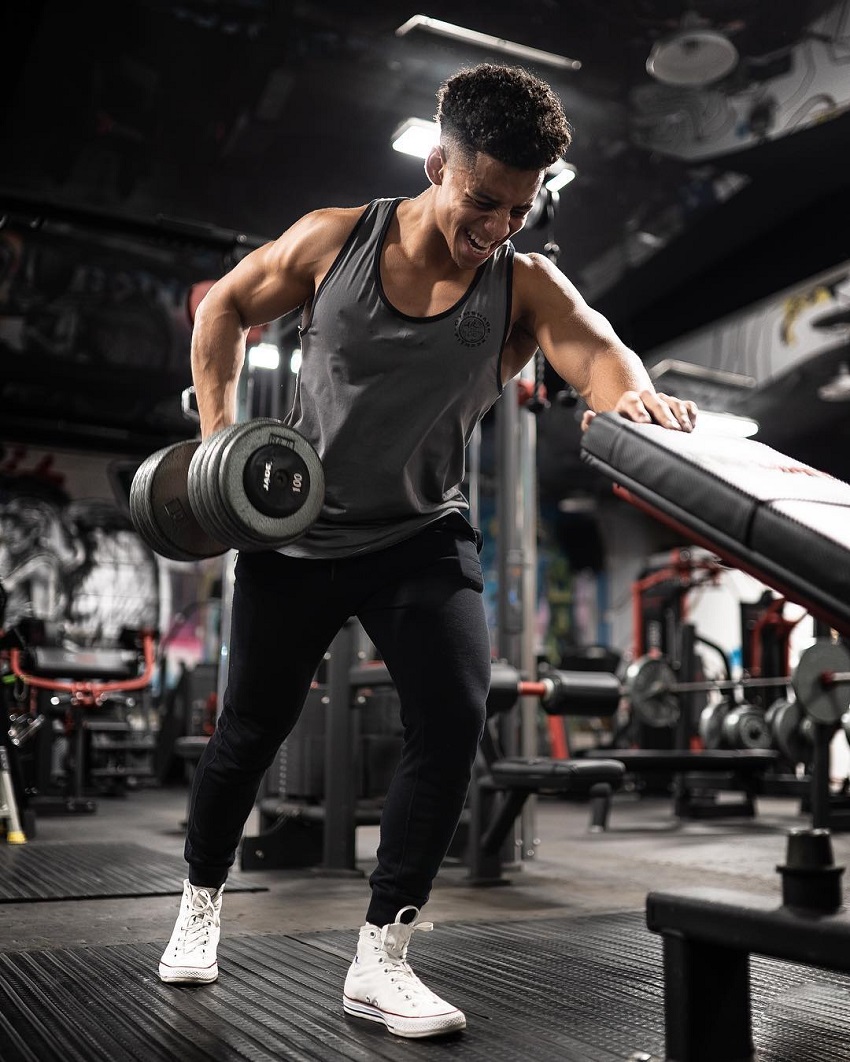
694	55
485	40
416	137
559	175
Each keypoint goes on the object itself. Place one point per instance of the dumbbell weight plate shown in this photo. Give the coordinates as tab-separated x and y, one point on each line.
196	499
205	495
824	704
170	506
202	505
171	511
158	541
270	481
648	680
140	504
786	718
711	721
163	506
237	533
141	507
745	728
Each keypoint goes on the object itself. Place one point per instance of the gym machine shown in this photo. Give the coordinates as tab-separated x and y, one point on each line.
84	684
16	818
789	526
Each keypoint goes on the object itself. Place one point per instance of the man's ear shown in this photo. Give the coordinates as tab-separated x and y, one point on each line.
435	165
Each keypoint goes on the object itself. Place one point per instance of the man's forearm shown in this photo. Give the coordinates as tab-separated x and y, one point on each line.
218	353
611	373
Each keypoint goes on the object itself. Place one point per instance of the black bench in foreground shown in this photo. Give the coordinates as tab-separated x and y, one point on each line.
789	526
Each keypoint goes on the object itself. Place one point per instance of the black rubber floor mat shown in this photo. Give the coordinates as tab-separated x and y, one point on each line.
554	990
93	871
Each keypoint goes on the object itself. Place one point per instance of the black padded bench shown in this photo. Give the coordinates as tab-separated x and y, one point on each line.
745	768
766	513
789	526
772	516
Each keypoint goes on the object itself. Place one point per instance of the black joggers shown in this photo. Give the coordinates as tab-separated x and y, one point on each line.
420	602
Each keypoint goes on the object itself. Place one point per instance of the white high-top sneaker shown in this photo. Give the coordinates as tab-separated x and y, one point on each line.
380	985
190	957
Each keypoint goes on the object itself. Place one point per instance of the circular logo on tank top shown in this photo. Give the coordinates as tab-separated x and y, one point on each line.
472	328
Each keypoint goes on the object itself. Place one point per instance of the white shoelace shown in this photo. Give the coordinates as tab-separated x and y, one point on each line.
397	967
201	919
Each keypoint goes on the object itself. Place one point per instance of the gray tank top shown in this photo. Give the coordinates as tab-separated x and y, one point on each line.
390	401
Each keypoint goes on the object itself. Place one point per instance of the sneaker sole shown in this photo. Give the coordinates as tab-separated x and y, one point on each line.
182	975
410	1028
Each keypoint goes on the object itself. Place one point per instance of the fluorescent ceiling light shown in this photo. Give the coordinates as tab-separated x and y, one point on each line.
416	137
559	176
485	40
729	424
263	356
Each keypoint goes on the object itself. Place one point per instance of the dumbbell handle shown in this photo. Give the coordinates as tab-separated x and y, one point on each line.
534	689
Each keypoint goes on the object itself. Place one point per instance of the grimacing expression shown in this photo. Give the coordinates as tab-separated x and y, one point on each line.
481	205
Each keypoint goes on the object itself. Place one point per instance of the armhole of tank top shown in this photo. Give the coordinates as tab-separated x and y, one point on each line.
349	240
509	297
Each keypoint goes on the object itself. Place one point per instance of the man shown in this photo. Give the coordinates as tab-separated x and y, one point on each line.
415	313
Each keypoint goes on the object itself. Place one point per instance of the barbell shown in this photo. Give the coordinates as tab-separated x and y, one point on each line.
821	683
251	486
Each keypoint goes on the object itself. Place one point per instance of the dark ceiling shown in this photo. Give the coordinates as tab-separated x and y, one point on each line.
146	144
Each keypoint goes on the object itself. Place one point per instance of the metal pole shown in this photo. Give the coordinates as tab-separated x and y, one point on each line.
341	747
529	706
510	567
509	554
474	478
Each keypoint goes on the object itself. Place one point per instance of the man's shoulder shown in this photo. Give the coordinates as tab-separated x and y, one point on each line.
529	269
330	225
530	263
540	286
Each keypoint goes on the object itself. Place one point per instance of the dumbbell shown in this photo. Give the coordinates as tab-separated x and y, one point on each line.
728	725
251	487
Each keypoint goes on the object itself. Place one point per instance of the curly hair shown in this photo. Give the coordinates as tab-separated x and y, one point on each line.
504	112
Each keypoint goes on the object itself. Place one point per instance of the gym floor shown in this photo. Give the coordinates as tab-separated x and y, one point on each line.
574	873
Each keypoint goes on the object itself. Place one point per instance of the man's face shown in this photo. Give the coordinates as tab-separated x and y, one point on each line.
481	205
